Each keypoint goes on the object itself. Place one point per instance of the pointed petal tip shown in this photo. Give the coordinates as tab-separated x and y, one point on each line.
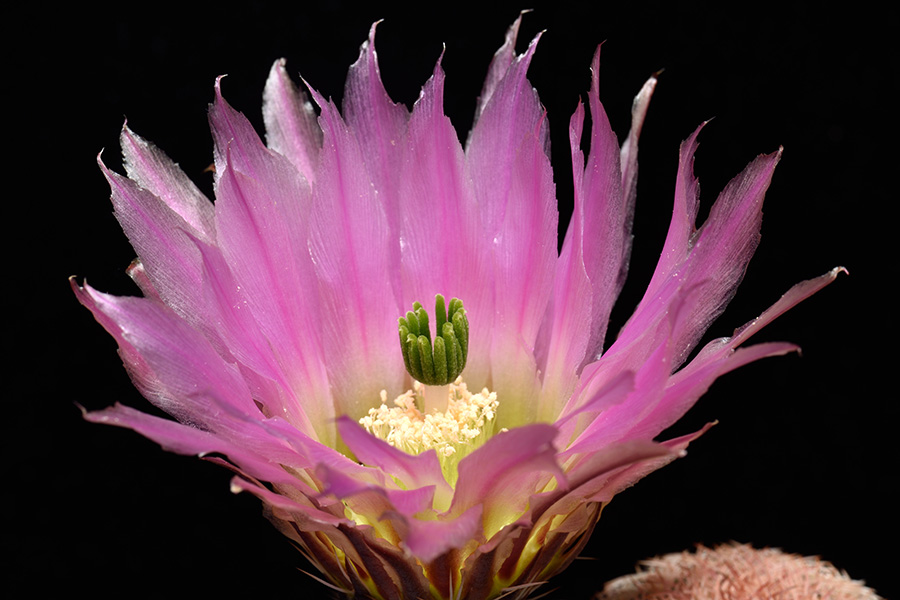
278	68
218	87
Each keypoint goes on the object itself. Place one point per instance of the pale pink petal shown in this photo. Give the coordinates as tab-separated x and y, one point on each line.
513	181
503	472
150	168
407	502
173	365
594	258
308	518
684	215
791	298
138	274
379	125
414	471
350	245
272	276
684	389
629	476
262	211
576	417
168	257
594	475
258	459
608	197
566	329
612	424
710	260
721	356
280	388
427	540
512	118
723	246
291	126
629	152
503	58
443	249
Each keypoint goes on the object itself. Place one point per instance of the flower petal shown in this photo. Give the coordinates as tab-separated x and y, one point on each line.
379	125
414	471
263	246
291	127
501	62
283	389
566	329
173	365
150	168
168	257
349	244
503	473
443	249
513	181
427	540
608	195
722	355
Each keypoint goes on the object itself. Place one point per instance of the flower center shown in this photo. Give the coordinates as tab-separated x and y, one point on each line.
468	421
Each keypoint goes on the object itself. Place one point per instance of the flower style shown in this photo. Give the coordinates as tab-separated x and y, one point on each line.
268	327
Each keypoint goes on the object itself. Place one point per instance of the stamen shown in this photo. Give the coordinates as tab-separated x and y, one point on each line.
467	423
442	362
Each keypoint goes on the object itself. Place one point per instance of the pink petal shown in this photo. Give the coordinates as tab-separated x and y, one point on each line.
684	213
427	540
407	502
629	151
501	62
283	389
567	328
414	471
379	125
150	168
172	364
443	249
712	259
608	197
578	415
631	475
723	246
291	127
169	258
503	473
308	518
513	181
349	245
597	474
612	424
263	459
722	356
791	298
271	275
594	257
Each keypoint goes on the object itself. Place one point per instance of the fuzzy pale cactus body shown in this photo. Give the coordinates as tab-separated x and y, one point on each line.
268	326
736	572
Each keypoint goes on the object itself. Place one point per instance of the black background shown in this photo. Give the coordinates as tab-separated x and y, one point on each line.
804	456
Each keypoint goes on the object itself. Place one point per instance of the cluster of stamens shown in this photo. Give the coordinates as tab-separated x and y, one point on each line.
467	422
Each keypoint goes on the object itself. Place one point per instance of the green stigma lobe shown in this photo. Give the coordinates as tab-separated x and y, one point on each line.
442	362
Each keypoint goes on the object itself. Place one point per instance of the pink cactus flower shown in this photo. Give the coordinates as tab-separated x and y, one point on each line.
472	466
